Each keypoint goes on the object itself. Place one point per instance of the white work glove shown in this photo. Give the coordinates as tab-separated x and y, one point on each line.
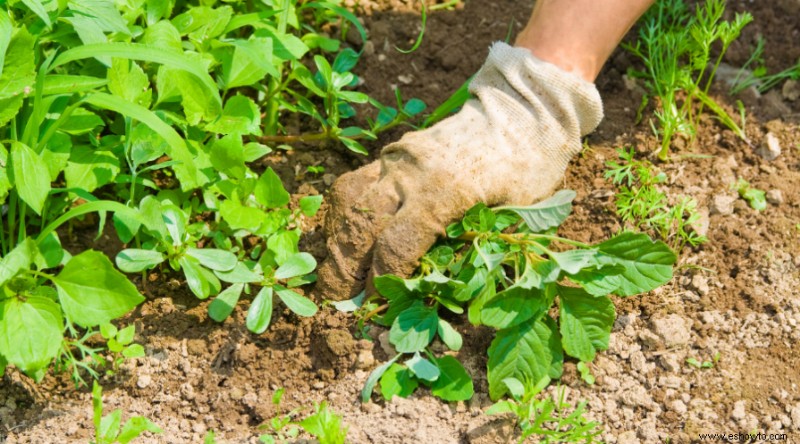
508	145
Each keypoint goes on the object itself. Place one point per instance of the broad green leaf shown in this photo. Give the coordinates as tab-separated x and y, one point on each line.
548	213
55	154
6	30
135	427
162	34
515	387
648	264
125	336
141	52
309	205
201	23
296	265
201	280
239	216
198	106
269	190
254	151
414	107
398	381
414	328
350	305
103	14
18	77
213	258
538	274
29	175
129	82
227	156
88	33
50	254
586	322
37	8
516	305
527	352
500	408
146	145
152	217
92	292
422	368
301	305
573	261
30	332
19	259
345	60
185	170
55	84
247	62
81	122
222	306
454	383
373	378
599	282
394	287
134	260
259	314
89	168
109	426
451	338
240	116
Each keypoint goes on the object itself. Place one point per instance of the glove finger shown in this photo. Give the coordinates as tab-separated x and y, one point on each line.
359	208
404	241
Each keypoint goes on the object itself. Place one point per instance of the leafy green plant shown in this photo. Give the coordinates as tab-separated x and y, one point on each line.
642	204
544	417
507	269
755	197
322	424
107	428
675	47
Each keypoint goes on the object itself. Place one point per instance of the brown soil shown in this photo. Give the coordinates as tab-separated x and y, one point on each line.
735	297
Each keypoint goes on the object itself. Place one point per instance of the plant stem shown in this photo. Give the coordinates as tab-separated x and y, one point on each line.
372	313
523	238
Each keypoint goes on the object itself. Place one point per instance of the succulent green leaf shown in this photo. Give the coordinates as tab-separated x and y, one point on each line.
586	322
222	306
134	260
260	313
240	274
201	280
301	305
213	258
92	292
296	265
548	213
454	383
30	334
527	352
414	328
647	264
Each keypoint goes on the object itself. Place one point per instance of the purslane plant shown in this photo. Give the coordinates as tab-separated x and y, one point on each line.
507	269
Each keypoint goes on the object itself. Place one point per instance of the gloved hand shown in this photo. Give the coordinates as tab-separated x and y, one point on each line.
509	145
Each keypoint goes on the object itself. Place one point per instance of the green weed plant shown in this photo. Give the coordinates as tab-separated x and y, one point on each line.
507	269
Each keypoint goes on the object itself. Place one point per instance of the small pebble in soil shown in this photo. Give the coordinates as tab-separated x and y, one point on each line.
738	412
672	329
770	148
775	197
144	381
722	204
791	90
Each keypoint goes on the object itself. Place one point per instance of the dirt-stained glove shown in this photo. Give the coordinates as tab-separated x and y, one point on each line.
509	145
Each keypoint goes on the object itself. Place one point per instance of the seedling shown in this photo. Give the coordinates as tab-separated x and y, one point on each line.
107	428
642	204
675	47
755	197
315	169
705	364
506	269
323	424
545	418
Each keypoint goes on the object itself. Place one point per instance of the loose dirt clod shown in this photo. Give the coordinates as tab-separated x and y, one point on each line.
770	148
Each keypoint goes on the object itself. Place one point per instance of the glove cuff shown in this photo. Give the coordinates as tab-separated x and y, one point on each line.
535	94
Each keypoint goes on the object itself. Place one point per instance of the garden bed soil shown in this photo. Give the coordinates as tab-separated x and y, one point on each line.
735	297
